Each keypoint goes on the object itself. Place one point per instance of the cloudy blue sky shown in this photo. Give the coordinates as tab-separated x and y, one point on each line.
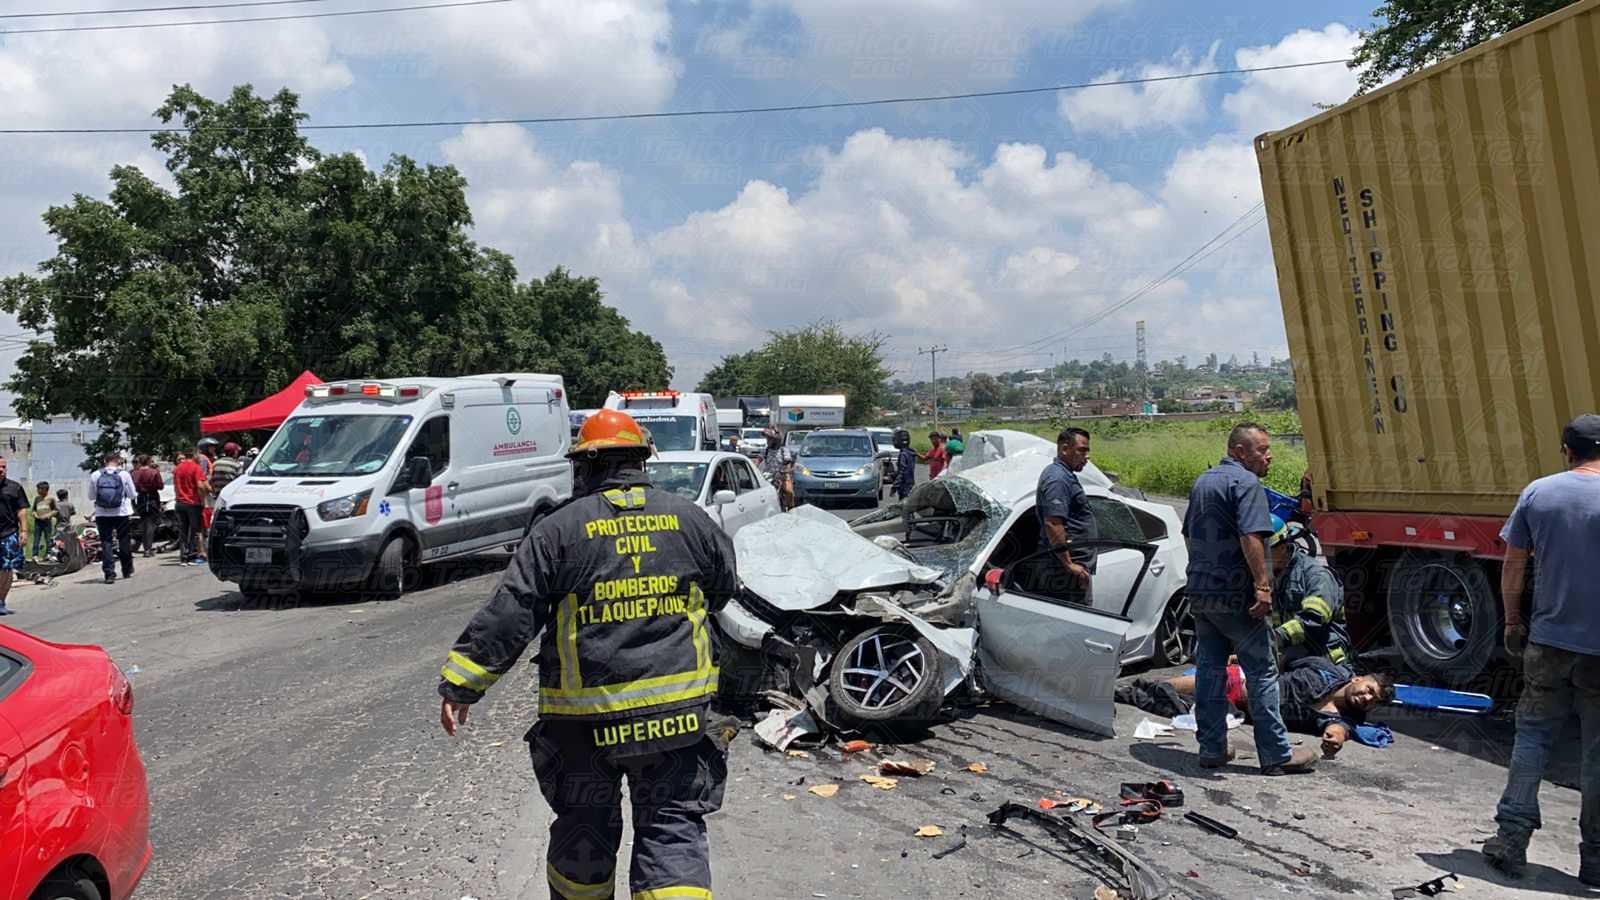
987	225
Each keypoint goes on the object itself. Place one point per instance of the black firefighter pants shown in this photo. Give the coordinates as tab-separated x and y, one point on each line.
672	792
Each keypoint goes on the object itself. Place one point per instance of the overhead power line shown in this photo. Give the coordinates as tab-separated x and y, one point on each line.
322	15
1159	280
690	113
150	9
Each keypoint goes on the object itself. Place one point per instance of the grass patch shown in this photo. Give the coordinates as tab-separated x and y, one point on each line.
1165	457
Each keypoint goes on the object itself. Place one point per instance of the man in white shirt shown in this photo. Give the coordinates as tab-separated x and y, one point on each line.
113	492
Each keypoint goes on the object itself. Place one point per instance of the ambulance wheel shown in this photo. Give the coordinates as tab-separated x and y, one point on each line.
886	674
389	572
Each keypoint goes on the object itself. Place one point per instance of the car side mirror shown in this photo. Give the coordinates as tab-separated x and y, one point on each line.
419	472
723	498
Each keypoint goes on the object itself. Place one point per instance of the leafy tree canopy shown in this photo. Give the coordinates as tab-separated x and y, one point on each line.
1414	34
817	359
270	257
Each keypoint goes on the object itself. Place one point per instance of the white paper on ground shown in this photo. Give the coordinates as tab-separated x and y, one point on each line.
1146	730
783	727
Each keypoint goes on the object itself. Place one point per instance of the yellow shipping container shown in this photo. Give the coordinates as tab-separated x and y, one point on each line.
1437	244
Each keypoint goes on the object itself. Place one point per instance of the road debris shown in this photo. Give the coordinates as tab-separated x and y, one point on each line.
1164	792
941	854
1101	892
856	746
497	743
978	768
1144	882
780	728
928	831
915	768
1148	730
882	784
1429	888
800	754
788	796
1127	834
823	790
1212	825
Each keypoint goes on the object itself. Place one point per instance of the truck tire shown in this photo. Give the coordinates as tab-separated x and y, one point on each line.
1444	616
886	674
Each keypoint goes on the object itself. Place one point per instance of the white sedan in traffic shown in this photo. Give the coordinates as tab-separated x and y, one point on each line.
725	485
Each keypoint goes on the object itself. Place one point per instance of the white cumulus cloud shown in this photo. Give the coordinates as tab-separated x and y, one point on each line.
1118	108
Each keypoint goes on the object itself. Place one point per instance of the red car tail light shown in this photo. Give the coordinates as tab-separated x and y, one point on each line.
121	692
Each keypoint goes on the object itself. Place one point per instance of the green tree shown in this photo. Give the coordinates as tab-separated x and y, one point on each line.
730	377
269	258
1413	34
822	359
987	391
1280	395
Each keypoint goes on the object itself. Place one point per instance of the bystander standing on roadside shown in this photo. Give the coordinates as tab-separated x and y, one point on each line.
66	516
956	445
186	493
224	470
1557	522
205	453
1230	592
113	508
905	464
44	520
147	482
13	502
937	456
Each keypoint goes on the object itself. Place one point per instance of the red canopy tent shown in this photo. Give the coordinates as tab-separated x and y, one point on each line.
262	414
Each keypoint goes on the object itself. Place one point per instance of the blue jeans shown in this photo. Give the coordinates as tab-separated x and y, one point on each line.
1556	684
43	531
1217	634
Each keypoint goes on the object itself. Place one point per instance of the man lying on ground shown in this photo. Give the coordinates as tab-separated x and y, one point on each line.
1317	697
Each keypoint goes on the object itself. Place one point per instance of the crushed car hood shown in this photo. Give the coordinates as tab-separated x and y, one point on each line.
803	559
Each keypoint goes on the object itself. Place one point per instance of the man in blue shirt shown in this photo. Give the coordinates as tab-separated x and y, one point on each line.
1064	514
1557	521
1230	591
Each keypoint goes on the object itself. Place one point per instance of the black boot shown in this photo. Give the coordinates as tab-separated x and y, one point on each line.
1508	852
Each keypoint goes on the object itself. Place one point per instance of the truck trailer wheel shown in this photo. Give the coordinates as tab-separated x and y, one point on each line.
1444	616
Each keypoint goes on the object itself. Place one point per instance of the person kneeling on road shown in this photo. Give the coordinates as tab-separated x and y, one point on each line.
1307	602
619	581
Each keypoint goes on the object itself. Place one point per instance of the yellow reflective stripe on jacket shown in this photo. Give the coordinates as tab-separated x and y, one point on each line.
613	698
574	890
697	618
1295	631
460	670
567	642
1319	608
632	498
1336	653
674	893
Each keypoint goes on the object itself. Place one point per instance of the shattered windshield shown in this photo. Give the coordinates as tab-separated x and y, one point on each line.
951	522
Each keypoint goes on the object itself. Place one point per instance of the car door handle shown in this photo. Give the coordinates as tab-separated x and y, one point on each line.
1156	568
1098	647
453	485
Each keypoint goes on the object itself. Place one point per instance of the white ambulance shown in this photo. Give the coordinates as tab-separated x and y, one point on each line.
677	420
367	481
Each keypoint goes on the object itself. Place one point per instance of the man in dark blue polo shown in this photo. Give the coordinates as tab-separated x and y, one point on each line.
1230	591
1064	515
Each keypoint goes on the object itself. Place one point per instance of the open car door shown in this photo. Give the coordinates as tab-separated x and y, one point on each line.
1045	650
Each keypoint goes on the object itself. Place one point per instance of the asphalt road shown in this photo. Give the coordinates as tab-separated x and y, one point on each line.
295	752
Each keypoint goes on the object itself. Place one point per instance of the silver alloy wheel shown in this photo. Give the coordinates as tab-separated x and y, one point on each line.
1178	631
884	671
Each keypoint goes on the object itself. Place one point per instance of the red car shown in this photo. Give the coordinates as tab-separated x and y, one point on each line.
74	814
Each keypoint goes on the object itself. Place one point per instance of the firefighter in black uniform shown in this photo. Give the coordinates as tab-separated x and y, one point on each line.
619	582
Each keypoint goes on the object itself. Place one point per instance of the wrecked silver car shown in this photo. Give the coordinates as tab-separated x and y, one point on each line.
880	619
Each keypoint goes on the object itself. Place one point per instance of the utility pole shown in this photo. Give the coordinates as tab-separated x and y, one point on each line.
1144	366
933	359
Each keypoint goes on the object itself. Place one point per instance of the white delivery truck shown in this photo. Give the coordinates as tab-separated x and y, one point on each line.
730	424
677	420
369	480
795	415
